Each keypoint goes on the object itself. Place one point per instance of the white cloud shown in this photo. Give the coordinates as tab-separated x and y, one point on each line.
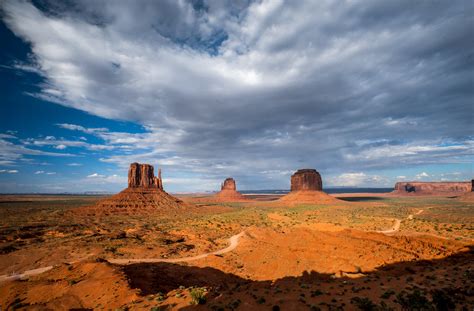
74	164
80	128
358	179
94	175
62	144
422	175
51	173
98	179
9	171
39	172
11	153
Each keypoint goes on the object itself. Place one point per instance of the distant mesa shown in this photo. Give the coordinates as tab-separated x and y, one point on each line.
144	193
432	188
229	192
468	196
306	179
307	187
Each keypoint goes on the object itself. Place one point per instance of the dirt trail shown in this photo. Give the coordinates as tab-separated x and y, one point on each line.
395	228
233	242
397	223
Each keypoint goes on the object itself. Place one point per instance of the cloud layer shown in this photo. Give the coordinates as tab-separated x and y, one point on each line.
259	89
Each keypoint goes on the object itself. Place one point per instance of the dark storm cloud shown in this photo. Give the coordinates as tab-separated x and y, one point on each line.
250	87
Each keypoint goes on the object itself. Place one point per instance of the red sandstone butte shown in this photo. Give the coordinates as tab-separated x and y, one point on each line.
229	191
144	194
142	175
306	179
432	188
229	184
307	188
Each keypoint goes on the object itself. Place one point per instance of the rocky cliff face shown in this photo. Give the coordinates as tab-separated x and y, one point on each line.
228	184
433	187
142	176
306	179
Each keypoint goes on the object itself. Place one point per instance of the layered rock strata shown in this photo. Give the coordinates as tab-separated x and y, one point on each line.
144	193
142	176
306	179
432	188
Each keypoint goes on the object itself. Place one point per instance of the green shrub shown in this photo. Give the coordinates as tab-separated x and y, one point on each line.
198	295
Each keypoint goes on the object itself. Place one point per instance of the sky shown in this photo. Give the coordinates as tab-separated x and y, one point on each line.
367	92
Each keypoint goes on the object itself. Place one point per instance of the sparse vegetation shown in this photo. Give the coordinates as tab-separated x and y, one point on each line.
58	232
198	295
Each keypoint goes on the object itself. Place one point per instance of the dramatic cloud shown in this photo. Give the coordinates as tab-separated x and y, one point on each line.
257	89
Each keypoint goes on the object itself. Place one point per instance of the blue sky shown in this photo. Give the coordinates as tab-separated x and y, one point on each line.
368	93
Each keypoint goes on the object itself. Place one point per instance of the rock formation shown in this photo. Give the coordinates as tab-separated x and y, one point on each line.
306	187
432	188
144	193
229	184
142	175
468	196
229	192
306	179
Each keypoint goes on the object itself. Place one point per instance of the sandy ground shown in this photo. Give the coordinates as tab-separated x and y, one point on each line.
332	254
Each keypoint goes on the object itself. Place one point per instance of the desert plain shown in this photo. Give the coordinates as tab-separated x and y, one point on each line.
144	249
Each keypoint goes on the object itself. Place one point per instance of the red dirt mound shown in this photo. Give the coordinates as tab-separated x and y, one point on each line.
229	192
297	197
229	196
133	200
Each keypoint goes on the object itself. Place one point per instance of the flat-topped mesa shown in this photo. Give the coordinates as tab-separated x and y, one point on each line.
142	176
229	184
306	180
415	187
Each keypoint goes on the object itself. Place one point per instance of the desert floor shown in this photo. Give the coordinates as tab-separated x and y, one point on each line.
364	251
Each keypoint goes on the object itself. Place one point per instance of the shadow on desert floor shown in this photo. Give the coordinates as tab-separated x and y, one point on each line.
361	199
442	284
